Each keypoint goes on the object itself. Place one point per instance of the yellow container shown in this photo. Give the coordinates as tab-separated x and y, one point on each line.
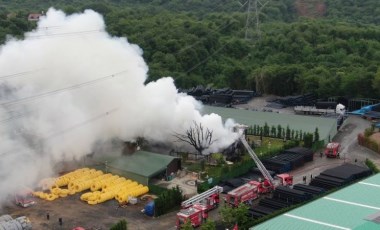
92	202
85	196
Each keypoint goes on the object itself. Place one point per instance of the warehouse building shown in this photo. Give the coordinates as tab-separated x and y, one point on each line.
354	207
141	166
327	127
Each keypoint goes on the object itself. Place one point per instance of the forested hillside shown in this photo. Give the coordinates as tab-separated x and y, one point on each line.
330	47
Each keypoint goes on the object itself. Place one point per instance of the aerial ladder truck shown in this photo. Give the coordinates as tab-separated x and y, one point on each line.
196	208
251	190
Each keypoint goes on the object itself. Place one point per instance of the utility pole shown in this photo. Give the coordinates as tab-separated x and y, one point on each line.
258	31
253	12
247	22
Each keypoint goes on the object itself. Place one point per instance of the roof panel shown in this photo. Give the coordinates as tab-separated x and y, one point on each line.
141	162
347	208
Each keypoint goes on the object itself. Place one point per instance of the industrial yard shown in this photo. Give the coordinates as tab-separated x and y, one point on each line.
75	212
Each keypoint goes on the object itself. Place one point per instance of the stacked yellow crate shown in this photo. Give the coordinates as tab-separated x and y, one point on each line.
103	187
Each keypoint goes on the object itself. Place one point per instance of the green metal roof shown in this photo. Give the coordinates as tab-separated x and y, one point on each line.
141	162
326	126
348	208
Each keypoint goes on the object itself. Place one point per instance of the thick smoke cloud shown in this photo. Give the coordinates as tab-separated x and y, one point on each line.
69	84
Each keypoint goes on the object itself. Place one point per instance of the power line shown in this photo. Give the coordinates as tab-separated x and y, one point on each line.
64	131
60	27
75	126
19	74
209	56
64	34
221	27
206	59
12	118
49	93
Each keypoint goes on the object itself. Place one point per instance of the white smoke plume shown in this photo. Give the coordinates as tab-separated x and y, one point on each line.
69	84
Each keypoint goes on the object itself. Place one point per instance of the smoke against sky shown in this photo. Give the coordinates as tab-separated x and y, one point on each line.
69	84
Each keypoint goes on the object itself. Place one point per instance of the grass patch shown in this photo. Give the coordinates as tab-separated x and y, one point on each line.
267	143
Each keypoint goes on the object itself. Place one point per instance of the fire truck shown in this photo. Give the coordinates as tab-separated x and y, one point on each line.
243	194
251	190
24	198
196	208
332	149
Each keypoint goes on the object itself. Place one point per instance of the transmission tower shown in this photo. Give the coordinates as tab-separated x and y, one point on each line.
254	9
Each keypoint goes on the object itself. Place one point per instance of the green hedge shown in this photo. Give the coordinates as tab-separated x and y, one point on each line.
228	172
372	166
121	225
157	190
167	201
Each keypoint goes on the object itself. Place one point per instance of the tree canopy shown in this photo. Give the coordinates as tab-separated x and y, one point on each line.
329	47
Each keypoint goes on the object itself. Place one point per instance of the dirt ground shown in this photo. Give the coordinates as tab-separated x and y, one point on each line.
74	212
376	138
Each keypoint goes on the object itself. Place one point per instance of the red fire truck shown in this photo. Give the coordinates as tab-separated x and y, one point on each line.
197	207
269	182
332	149
24	198
243	194
251	190
196	214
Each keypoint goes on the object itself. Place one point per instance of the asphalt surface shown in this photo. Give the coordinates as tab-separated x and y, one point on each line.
351	151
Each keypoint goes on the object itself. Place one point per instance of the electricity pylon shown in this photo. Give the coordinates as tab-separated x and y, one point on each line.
254	9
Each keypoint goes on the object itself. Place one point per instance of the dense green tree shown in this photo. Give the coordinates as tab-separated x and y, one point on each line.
287	135
266	129
231	216
121	225
333	52
273	131
316	135
208	225
187	226
279	131
308	140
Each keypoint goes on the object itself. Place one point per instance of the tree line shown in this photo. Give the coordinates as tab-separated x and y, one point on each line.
203	42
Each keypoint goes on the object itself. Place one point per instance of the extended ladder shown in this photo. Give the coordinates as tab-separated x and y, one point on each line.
198	198
256	159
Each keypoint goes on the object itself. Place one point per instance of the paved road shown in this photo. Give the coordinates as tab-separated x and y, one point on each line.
350	151
347	136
